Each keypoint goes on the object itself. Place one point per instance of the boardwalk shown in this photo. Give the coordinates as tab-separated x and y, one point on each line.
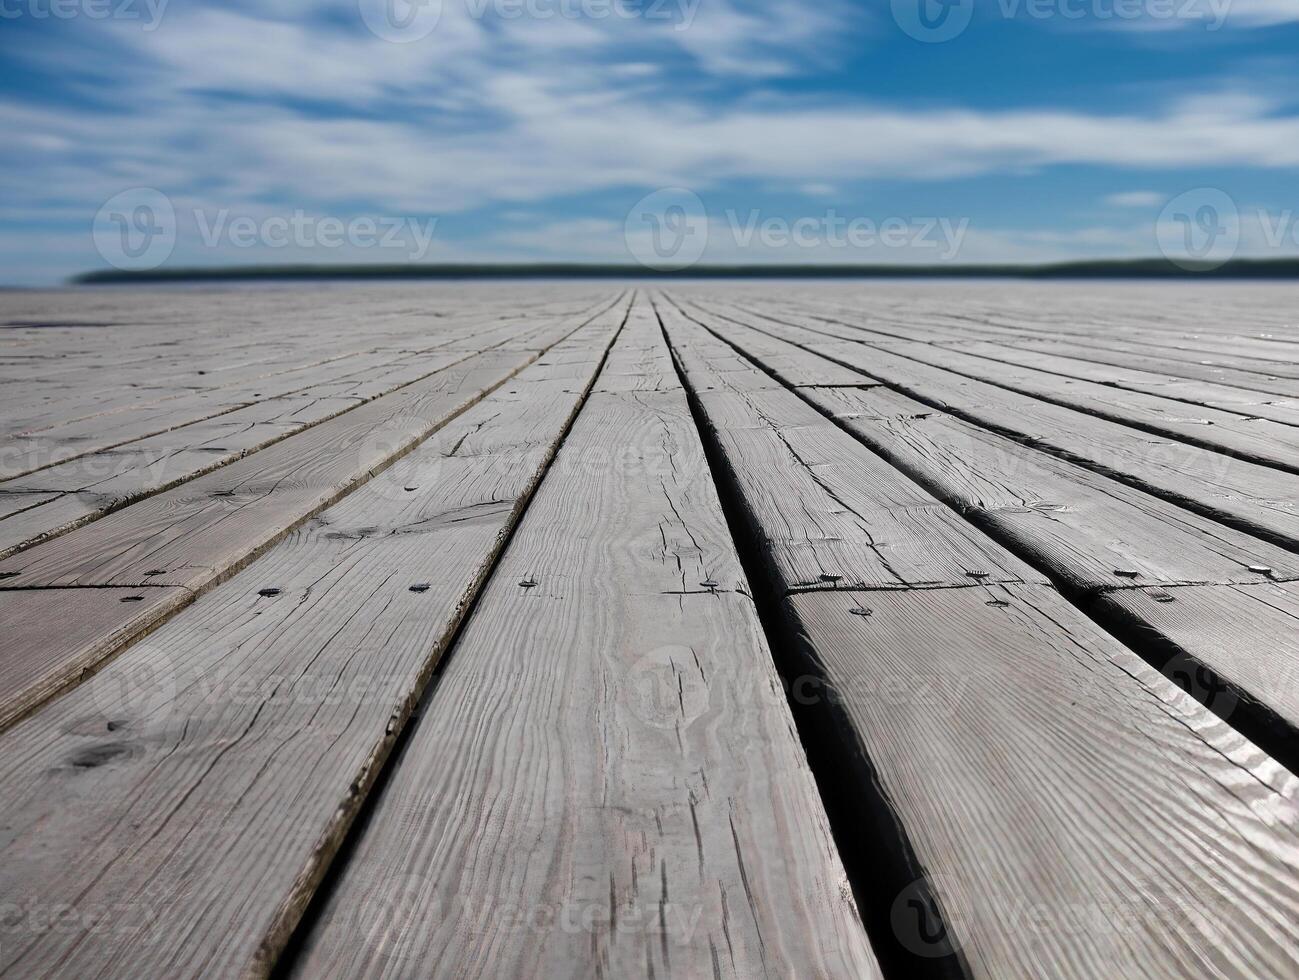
712	630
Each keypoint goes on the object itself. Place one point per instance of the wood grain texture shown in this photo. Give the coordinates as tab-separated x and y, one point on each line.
832	514
1259	440
104	481
204	530
196	791
1076	814
1079	527
1095	536
606	782
1257	499
87	625
1037	772
1234	648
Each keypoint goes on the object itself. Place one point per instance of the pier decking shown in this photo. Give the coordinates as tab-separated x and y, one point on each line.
702	630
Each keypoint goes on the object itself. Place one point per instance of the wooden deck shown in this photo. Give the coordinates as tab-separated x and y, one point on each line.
717	630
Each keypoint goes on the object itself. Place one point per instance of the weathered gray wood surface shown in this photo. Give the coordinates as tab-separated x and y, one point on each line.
1259	440
976	715
199	532
131	460
204	691
200	785
606	782
1091	534
1258	499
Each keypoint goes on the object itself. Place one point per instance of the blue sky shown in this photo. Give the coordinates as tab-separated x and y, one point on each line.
485	130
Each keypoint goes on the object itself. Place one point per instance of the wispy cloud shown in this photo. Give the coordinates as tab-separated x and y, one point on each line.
1135	199
293	103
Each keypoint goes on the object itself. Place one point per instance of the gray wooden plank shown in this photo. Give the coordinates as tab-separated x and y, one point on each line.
1021	758
91	624
1257	499
1250	403
832	513
105	481
1246	373
1082	528
199	787
1095	536
606	781
202	531
1233	647
34	449
1127	344
1074	814
203	373
1259	440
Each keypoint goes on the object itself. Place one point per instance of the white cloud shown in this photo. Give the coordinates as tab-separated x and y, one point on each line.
251	106
1136	199
1262	13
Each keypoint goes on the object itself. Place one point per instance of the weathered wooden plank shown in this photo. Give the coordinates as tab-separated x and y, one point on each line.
204	530
134	404
1233	647
606	781
1257	376
1019	757
227	754
1129	344
91	624
1261	440
1210	394
1257	499
1073	813
362	375
15	503
1079	527
105	481
832	514
1221	319
1093	536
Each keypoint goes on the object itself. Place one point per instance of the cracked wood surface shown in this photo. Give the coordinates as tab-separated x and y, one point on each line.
97	477
1074	813
1257	439
606	781
227	590
1258	499
203	530
828	512
973	719
1093	536
200	785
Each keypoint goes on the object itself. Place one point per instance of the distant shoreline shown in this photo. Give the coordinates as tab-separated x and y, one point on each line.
1101	269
